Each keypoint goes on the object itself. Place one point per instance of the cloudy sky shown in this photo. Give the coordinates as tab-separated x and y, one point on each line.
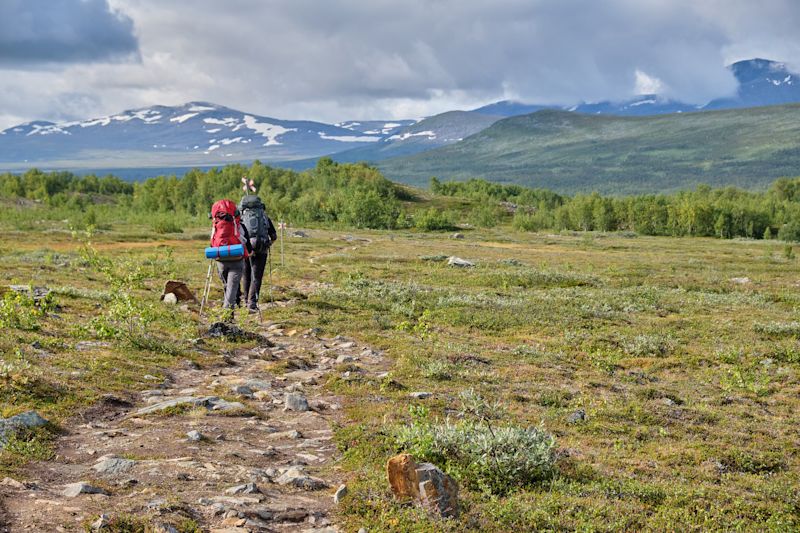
333	60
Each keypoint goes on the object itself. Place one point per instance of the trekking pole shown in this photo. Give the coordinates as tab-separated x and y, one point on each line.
206	290
269	259
283	226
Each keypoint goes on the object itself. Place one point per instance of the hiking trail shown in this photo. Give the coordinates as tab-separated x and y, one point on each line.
233	446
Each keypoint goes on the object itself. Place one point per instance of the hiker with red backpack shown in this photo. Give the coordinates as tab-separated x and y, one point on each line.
228	231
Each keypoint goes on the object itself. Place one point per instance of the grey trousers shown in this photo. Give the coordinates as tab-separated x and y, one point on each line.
230	272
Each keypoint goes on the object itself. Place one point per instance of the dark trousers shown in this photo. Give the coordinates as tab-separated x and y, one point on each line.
253	274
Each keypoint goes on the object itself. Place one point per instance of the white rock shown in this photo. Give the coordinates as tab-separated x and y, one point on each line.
341	492
458	262
170	299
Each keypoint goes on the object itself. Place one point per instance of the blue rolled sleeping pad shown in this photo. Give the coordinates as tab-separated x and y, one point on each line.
223	253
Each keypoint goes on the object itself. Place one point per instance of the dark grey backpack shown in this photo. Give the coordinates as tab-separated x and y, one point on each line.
254	219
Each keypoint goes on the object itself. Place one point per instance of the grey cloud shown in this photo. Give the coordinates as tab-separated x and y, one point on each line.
355	59
37	32
540	50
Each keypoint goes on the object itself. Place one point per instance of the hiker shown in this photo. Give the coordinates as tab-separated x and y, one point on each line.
227	231
261	234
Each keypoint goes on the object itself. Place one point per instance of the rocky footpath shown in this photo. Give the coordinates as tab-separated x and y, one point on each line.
244	445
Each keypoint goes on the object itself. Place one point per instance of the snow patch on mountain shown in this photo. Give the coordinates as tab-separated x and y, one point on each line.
227	121
349	138
45	129
269	131
183	118
402	137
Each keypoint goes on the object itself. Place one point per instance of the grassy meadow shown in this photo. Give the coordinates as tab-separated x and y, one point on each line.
686	372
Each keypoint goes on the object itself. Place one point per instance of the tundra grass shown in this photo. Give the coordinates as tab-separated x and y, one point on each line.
687	374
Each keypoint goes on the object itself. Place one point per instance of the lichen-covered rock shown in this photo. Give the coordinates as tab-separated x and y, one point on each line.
17	423
113	466
295	401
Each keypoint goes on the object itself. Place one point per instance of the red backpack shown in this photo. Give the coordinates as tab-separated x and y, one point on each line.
226	224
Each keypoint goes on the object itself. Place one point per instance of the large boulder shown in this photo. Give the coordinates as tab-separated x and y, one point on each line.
423	483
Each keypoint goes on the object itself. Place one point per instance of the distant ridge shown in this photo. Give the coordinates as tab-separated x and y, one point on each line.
572	152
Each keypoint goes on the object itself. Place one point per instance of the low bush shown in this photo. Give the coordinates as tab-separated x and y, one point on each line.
528	278
434	220
495	459
648	346
778	329
166	225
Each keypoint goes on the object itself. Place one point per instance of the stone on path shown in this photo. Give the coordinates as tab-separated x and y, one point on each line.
295	401
458	262
13	483
423	483
210	402
194	436
247	488
193	401
421	395
113	465
74	489
242	390
296	477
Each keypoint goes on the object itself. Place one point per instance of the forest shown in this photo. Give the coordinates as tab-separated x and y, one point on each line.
359	196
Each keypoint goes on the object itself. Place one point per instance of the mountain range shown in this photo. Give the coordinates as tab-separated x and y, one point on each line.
157	138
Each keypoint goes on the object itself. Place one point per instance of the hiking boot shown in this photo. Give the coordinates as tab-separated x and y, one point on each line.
252	308
227	316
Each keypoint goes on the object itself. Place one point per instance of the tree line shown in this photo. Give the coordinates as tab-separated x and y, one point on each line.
726	212
358	195
348	194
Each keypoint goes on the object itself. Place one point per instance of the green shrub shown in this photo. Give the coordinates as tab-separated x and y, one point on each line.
478	454
19	310
166	225
434	220
790	232
438	370
753	463
486	216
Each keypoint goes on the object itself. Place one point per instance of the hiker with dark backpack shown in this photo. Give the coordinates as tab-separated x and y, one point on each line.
261	234
228	231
